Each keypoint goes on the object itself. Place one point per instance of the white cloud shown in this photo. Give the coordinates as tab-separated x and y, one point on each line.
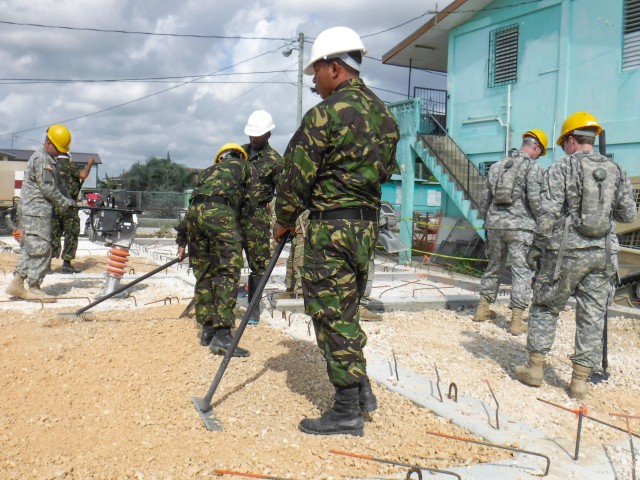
192	120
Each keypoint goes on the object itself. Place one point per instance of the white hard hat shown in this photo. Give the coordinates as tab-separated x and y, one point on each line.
259	123
335	42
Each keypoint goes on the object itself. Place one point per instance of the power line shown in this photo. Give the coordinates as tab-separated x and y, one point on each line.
17	81
489	8
141	98
397	26
133	32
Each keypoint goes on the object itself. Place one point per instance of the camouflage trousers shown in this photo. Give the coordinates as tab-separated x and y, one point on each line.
585	274
35	249
65	222
502	244
216	256
334	277
256	240
295	262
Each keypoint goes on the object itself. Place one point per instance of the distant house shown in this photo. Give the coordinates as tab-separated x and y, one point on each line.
515	65
13	163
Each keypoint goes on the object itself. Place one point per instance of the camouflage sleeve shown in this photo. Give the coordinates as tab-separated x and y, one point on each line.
300	165
535	189
485	200
47	181
625	209
181	232
251	193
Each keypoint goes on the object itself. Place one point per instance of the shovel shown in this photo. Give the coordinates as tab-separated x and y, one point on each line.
203	405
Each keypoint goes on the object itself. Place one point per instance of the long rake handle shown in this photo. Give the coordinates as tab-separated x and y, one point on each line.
130	284
205	402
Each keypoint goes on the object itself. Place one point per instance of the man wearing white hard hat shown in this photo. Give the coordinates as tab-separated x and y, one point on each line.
334	166
256	230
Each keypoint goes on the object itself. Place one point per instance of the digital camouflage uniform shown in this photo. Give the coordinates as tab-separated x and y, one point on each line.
256	229
338	158
583	269
66	221
40	192
510	228
295	262
215	246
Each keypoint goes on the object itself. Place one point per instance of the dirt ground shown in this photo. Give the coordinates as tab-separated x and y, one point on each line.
110	398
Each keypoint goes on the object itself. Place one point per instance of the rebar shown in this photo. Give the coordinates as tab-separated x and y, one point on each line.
497	405
454	387
397	464
589	417
495	445
633	453
247	474
438	382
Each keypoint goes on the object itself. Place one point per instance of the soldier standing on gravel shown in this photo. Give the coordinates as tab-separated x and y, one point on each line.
226	191
40	193
256	228
334	166
67	221
511	202
576	246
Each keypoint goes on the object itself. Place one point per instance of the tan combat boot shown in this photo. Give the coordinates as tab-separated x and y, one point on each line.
579	378
518	325
36	293
16	287
482	312
531	373
367	315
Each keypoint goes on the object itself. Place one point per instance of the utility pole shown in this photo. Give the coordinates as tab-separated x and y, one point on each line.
287	53
300	77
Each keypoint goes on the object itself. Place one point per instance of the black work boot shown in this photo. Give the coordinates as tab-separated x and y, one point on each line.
254	280
207	333
68	268
222	341
366	399
344	418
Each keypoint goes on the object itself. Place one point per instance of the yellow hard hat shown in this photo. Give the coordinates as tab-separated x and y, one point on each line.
540	137
230	147
576	121
60	136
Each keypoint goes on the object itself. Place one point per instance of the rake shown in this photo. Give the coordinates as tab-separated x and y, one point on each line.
203	405
81	312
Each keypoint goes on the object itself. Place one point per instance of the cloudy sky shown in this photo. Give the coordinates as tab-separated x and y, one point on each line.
137	79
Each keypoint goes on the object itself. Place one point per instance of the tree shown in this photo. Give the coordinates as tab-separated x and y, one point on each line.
160	175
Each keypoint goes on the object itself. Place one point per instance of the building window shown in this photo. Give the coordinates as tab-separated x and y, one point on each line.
503	56
631	47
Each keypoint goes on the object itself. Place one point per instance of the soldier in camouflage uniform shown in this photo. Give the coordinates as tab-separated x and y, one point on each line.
225	191
575	257
67	221
334	165
40	193
511	202
256	229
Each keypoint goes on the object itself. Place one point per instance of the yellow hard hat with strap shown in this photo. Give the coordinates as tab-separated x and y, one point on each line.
230	147
577	121
540	137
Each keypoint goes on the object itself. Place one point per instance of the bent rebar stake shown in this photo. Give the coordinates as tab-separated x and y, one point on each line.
203	405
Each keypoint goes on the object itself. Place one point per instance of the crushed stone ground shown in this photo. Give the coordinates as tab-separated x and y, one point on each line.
110	398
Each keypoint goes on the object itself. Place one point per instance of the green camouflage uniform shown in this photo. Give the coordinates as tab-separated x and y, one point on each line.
338	158
215	247
64	220
256	229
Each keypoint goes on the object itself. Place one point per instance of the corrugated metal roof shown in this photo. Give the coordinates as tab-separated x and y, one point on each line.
427	47
24	155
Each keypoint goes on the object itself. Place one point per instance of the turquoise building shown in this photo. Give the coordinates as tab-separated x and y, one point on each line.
515	65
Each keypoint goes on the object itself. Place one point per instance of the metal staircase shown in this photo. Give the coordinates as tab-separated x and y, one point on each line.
458	176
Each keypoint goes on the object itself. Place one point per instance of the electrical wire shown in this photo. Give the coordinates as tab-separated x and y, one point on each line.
142	98
133	32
